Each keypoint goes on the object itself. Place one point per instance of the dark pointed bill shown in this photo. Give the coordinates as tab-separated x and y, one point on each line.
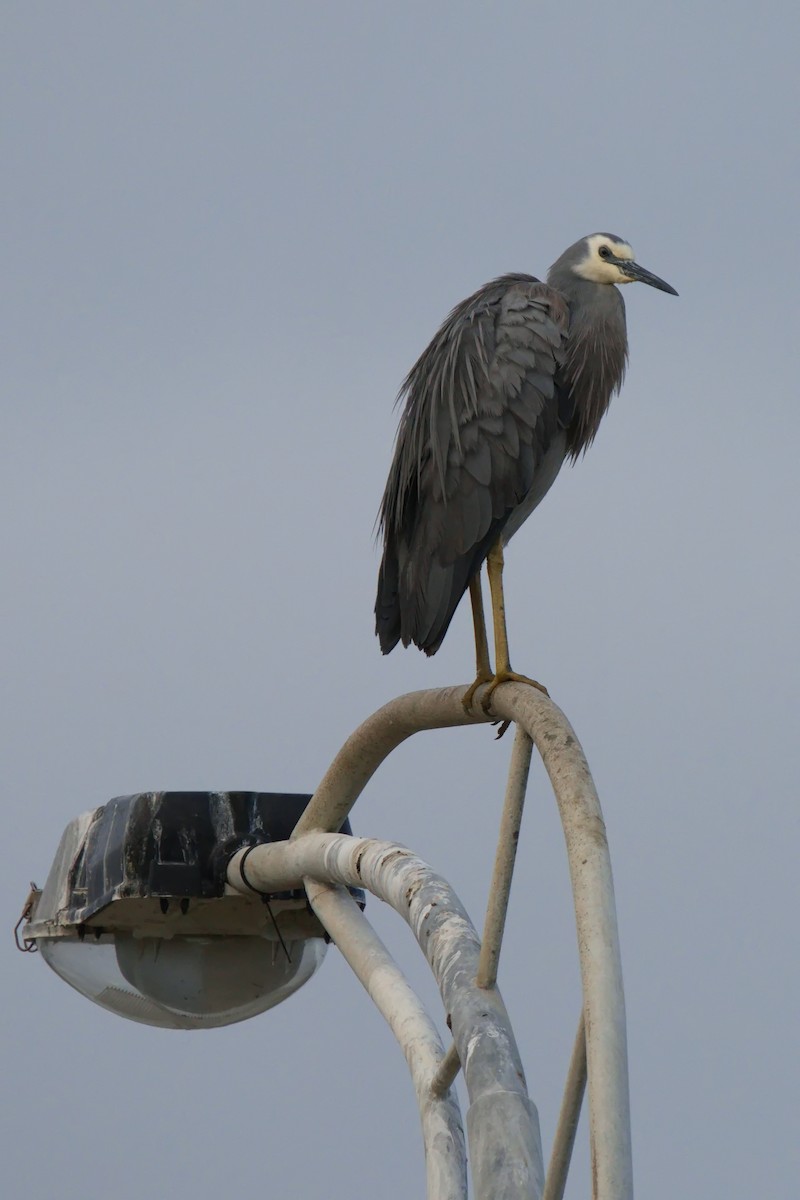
634	271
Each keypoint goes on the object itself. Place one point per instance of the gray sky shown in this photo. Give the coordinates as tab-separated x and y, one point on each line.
230	229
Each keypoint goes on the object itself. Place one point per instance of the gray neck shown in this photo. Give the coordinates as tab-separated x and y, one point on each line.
597	351
598	300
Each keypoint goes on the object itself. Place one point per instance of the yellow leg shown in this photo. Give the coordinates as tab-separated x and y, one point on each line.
483	668
503	673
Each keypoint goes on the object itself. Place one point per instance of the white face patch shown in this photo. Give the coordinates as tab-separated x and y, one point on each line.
595	268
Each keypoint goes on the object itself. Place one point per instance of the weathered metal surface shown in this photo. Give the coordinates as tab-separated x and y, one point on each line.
154	862
442	1129
590	872
148	916
481	1029
448	1069
598	939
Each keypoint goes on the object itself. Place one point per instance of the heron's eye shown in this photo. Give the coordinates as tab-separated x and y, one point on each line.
604	252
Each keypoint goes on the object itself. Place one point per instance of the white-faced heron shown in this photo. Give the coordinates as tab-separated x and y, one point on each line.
517	380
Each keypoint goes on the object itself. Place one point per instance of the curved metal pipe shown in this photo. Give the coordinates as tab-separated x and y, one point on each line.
502	1122
598	938
590	871
395	999
373	741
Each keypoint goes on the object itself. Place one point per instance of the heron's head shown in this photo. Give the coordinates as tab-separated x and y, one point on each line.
604	258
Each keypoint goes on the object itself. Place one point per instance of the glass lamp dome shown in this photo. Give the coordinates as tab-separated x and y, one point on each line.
184	983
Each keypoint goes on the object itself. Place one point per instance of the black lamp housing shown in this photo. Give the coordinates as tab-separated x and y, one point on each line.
176	845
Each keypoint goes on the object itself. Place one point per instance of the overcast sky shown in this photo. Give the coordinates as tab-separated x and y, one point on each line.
229	231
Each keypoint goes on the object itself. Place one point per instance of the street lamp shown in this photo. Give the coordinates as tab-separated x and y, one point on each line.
195	909
135	915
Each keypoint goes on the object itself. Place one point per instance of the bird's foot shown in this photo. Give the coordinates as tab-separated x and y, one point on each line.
508	676
505	676
469	695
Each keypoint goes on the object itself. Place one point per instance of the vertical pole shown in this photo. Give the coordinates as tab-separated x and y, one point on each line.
563	1142
505	857
499	889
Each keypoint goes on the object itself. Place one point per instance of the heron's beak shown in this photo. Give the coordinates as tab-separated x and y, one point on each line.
637	274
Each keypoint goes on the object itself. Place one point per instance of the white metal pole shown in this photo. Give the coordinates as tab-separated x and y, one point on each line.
505	857
561	1153
372	742
502	1122
590	871
598	939
371	962
499	889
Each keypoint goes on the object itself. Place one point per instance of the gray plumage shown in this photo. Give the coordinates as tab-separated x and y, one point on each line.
517	379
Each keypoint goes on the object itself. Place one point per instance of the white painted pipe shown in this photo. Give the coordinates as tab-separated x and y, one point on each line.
356	940
556	1179
598	939
502	1123
505	857
590	872
499	889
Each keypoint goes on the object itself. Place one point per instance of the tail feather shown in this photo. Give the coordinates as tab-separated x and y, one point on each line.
387	604
416	603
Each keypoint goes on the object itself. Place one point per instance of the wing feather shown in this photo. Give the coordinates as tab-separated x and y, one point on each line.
481	410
